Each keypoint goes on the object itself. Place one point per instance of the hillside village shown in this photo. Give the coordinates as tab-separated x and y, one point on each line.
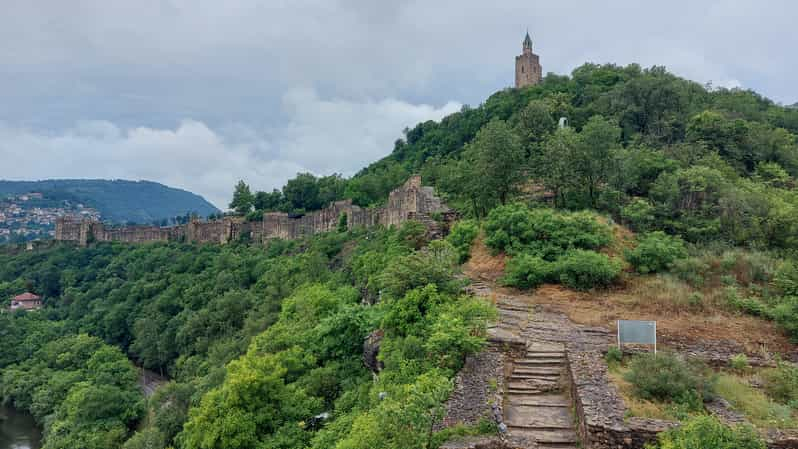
32	216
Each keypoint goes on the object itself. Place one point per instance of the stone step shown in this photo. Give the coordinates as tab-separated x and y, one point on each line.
519	392
537	362
535	379
545	355
535	386
540	400
564	438
546	347
538	370
531	417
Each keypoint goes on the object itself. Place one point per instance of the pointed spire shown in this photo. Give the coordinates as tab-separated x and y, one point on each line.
527	41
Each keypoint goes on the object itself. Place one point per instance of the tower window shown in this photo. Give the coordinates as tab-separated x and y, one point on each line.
522	69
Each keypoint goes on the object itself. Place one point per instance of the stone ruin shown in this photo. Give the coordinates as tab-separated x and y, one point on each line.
411	201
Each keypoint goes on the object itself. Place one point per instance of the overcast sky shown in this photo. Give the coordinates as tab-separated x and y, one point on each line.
199	93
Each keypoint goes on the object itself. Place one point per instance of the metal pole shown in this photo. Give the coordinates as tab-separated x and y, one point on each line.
618	328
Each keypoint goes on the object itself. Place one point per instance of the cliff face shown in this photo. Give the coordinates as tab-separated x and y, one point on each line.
411	201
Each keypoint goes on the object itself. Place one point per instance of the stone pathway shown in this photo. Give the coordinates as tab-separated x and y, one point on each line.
537	406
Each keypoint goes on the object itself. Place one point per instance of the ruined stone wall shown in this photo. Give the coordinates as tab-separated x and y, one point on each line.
411	201
67	229
600	409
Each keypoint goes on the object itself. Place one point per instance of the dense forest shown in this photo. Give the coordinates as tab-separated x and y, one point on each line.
119	201
264	345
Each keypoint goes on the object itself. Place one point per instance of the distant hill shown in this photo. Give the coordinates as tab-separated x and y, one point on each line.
118	201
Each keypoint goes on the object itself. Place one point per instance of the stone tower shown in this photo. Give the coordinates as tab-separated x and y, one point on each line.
528	71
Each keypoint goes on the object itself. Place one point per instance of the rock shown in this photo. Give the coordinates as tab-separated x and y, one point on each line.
371	349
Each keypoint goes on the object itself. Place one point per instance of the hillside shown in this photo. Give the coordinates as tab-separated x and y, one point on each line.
118	201
661	200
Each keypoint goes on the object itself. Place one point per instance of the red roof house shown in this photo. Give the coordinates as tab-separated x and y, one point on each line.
26	301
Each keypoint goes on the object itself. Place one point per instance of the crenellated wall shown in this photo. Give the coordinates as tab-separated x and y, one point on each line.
411	201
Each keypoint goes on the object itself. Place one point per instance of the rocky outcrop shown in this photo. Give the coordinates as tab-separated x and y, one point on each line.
371	351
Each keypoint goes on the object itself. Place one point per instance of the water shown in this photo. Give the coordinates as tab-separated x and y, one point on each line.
18	430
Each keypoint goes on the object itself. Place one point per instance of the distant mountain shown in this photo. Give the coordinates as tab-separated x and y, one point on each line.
118	201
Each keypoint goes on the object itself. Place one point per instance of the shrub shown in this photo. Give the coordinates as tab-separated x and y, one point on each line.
739	363
613	355
668	378
781	383
706	432
462	236
583	270
527	271
545	232
786	278
655	252
639	214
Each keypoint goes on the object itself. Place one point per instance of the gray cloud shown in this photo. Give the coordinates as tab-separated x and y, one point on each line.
305	84
320	136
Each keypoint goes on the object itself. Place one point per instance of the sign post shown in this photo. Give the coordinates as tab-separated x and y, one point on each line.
638	332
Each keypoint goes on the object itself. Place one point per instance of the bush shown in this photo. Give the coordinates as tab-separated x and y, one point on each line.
462	236
781	383
639	214
706	432
786	279
655	252
527	271
544	232
739	363
667	378
613	355
583	270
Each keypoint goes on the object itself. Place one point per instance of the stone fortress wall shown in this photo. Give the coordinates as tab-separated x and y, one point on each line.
411	201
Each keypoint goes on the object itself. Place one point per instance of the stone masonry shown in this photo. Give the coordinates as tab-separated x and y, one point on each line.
411	201
528	71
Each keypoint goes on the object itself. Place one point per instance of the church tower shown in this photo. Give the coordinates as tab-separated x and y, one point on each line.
528	71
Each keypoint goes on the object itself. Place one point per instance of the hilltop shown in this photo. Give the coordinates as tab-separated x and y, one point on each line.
117	201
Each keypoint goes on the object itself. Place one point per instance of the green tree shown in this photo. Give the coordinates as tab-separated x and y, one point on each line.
555	166
593	159
302	192
495	160
242	199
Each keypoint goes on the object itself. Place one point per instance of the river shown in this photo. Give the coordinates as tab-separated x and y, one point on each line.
18	430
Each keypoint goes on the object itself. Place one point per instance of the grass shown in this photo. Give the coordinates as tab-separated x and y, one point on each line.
754	404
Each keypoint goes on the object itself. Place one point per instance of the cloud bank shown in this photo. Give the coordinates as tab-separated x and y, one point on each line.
198	93
322	136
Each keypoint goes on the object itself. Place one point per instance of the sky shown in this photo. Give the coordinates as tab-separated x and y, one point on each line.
197	94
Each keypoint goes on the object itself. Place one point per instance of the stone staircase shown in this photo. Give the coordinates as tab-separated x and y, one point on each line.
537	406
